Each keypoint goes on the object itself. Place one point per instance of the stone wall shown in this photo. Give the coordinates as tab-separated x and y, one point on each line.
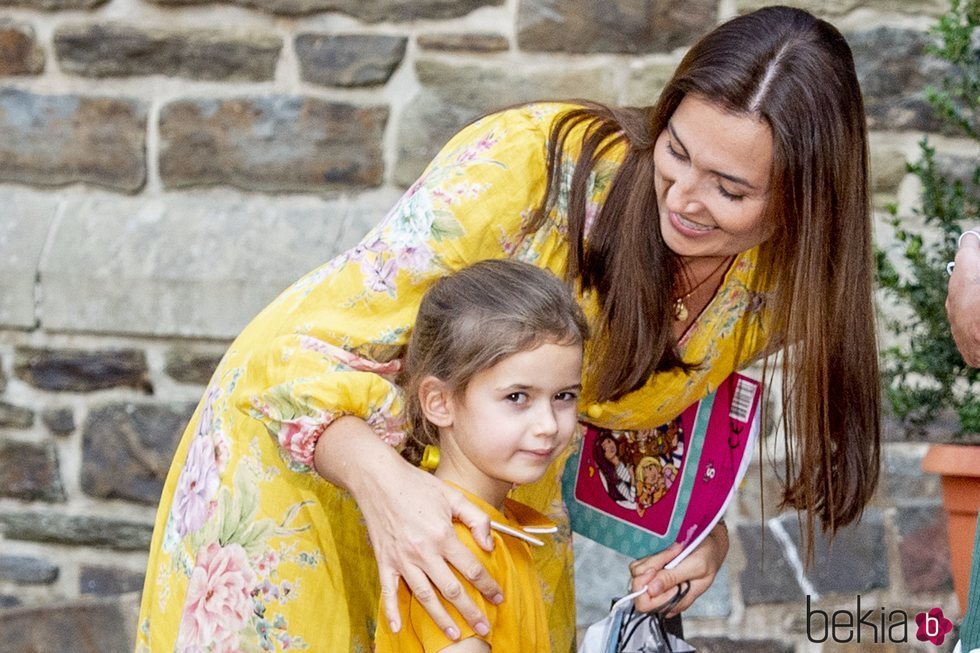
167	166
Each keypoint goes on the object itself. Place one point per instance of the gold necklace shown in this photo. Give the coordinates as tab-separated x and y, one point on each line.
680	308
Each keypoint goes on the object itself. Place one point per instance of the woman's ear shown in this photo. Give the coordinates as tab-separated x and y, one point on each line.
436	401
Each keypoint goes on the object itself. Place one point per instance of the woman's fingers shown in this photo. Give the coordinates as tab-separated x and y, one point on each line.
463	559
389	597
422	589
646	566
699	569
475	519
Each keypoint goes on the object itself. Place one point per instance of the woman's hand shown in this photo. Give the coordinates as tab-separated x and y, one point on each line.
409	516
963	300
699	568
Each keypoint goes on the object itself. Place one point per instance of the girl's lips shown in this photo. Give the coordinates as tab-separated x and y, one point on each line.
687	227
540	453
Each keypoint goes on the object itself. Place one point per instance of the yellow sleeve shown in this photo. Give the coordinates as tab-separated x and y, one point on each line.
328	346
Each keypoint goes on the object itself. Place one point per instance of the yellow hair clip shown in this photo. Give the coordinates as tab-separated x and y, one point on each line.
430	458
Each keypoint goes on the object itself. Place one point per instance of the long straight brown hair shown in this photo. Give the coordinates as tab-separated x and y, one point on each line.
795	73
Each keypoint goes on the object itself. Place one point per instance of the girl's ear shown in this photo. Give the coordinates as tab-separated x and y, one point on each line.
436	401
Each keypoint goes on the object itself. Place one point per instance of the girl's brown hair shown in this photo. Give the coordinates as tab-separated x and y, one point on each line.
473	319
796	73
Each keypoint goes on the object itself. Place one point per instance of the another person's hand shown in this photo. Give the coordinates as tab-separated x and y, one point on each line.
699	568
409	516
963	299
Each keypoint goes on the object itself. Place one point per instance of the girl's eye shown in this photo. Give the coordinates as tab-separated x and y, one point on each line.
729	196
566	396
517	397
674	153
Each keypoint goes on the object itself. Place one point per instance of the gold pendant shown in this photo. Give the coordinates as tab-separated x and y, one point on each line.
680	310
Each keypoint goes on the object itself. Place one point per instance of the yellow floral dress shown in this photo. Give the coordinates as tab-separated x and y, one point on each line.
252	551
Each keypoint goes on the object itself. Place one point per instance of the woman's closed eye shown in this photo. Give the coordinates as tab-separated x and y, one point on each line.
727	194
680	156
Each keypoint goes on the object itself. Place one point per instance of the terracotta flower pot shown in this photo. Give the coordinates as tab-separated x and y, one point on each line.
959	467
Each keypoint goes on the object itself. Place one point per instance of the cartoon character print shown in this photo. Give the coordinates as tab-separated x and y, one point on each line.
615	472
637	468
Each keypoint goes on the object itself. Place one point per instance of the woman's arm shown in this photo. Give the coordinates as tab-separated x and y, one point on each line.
699	568
409	516
963	300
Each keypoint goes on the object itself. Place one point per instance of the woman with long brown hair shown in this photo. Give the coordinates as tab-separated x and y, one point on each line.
729	220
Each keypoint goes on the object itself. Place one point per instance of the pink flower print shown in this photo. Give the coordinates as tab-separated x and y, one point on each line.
416	258
218	604
196	487
222	450
266	563
299	436
591	212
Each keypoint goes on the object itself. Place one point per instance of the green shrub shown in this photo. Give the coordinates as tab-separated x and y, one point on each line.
925	374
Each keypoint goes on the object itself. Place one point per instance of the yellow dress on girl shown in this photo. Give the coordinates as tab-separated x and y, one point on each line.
253	551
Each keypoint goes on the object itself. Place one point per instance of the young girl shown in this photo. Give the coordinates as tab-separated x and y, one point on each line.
492	376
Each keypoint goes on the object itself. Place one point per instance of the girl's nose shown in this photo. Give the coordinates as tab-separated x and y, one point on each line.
547	422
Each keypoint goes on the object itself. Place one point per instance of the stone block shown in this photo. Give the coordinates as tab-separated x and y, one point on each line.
834	8
854	563
76	530
27	570
8	601
15	417
105	625
118	50
894	69
30	472
127	449
463	42
60	421
923	548
621	26
53	5
453	95
646	81
189	366
271	143
53	140
729	645
716	602
108	581
601	575
371	11
77	370
888	166
20	53
188	266
27	220
760	494
768	577
349	59
902	477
